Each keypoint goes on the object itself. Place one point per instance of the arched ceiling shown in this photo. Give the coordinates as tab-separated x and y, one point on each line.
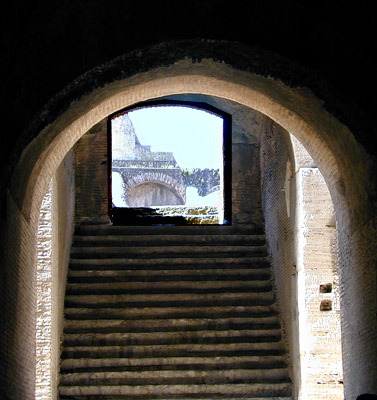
297	110
48	44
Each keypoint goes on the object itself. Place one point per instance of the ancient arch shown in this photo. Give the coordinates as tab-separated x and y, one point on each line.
161	178
347	173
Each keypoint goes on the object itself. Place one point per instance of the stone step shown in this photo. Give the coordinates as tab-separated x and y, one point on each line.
169	287
120	397
180	377
167	251
167	240
120	339
171	312
174	350
171	363
256	390
197	397
159	313
170	325
181	397
262	302
167	275
103	229
129	263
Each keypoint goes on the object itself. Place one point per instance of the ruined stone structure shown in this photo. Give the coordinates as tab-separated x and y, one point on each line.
205	180
149	178
293	78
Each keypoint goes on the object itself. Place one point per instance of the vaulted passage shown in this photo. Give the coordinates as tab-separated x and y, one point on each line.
70	150
171	312
165	311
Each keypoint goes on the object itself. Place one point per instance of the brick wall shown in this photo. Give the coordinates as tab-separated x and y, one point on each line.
274	159
300	229
358	288
90	160
63	206
18	281
319	307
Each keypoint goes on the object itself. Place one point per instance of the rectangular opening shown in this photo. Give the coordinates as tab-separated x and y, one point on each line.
170	164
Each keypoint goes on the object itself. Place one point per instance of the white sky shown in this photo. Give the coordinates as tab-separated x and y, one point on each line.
194	136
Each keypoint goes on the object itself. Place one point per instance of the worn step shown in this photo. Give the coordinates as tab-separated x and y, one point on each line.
120	339
169	325
169	287
174	350
264	300
175	377
167	240
171	363
107	229
175	397
171	312
159	312
181	263
167	275
167	251
256	390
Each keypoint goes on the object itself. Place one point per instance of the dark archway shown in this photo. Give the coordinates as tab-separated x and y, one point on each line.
348	173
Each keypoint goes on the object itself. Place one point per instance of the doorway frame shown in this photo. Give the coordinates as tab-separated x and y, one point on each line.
145	215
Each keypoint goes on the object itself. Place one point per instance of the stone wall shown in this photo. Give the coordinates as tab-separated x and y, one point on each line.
358	288
318	286
44	382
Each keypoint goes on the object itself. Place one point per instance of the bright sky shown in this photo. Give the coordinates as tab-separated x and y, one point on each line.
194	136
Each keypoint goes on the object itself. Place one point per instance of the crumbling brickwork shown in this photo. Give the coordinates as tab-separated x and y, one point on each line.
43	385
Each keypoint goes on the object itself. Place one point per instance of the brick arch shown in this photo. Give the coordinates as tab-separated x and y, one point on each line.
343	162
162	178
45	153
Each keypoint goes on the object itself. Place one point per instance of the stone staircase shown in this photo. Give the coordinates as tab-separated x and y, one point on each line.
171	312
